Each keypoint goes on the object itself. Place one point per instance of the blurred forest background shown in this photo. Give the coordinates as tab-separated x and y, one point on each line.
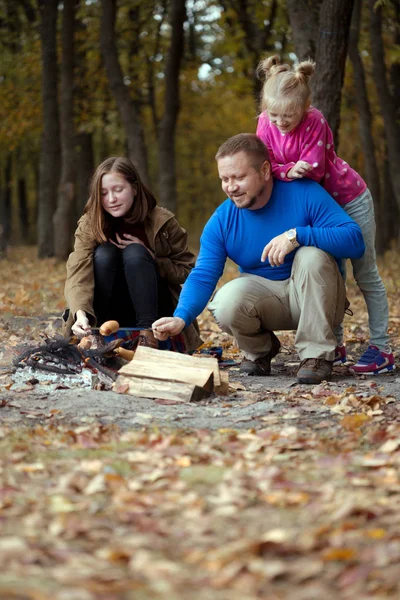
165	82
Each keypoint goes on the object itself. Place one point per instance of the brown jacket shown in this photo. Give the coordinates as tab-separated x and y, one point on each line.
174	260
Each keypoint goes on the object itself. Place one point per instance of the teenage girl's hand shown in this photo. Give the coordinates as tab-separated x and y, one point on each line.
127	240
276	250
81	326
299	170
166	326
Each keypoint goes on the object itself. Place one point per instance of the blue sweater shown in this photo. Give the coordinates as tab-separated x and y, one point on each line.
242	234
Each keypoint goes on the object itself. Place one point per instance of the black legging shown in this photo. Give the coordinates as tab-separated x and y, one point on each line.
128	287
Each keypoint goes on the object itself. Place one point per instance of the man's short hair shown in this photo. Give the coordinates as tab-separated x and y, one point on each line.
245	142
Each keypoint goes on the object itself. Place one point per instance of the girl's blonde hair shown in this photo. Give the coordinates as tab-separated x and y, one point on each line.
144	201
285	87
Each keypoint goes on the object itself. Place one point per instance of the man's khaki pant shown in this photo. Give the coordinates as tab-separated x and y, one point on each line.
312	301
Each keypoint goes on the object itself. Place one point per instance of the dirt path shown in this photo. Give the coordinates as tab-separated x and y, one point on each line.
251	403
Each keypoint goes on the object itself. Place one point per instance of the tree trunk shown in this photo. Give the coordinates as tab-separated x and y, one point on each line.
166	139
49	167
128	110
85	168
367	140
23	210
389	214
333	33
62	220
5	208
388	108
303	18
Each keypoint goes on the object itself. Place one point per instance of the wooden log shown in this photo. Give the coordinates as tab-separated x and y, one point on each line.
165	390
223	388
166	372
181	360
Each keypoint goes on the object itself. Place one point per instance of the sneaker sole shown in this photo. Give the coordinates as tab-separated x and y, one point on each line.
388	369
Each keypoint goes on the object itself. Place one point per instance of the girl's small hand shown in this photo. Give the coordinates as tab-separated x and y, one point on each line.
127	240
299	170
81	326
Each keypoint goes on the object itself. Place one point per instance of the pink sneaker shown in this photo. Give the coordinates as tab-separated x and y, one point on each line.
374	362
340	356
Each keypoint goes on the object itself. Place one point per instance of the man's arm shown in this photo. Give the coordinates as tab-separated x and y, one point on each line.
330	227
200	284
202	280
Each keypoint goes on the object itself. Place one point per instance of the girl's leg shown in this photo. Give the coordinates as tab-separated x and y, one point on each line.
340	351
366	272
106	266
111	295
142	282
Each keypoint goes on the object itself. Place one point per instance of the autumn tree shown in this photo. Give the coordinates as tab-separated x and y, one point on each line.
325	39
167	126
386	99
49	168
129	108
364	110
62	219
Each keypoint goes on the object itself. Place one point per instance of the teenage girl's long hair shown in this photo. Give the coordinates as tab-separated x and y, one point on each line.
283	84
144	201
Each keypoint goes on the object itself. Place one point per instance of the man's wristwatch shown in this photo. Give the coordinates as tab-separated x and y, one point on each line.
291	235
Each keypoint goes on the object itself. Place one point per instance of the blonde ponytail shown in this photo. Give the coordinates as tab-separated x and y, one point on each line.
304	71
284	85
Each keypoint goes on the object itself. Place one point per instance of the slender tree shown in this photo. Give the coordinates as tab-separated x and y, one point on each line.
5	207
364	111
128	108
62	219
388	107
320	31
167	126
49	167
304	19
332	41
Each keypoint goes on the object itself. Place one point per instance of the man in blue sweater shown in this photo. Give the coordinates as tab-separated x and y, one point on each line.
286	239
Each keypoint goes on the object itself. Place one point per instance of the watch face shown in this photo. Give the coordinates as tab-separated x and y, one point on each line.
291	234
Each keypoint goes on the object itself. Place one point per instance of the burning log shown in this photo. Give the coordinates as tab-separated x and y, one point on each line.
62	356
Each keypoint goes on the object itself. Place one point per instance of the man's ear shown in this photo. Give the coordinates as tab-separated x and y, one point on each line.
266	169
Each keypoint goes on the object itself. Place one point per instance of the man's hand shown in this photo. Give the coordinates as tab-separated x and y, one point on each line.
166	326
299	170
276	250
81	326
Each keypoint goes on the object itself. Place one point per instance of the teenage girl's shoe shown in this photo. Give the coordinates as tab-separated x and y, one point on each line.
146	338
340	356
374	362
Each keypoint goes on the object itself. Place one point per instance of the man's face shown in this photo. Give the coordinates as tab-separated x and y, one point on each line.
243	183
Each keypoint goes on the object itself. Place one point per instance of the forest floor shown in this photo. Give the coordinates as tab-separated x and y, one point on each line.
276	491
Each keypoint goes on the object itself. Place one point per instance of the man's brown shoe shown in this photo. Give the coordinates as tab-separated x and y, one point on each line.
314	370
262	366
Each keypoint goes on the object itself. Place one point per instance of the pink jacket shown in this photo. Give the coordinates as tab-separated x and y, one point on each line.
312	141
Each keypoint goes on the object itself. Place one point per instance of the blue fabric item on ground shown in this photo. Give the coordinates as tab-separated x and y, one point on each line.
175	343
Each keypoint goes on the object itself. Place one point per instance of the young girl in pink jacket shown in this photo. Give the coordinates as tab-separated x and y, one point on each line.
300	144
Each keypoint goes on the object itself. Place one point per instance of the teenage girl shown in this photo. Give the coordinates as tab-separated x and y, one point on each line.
130	257
300	144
